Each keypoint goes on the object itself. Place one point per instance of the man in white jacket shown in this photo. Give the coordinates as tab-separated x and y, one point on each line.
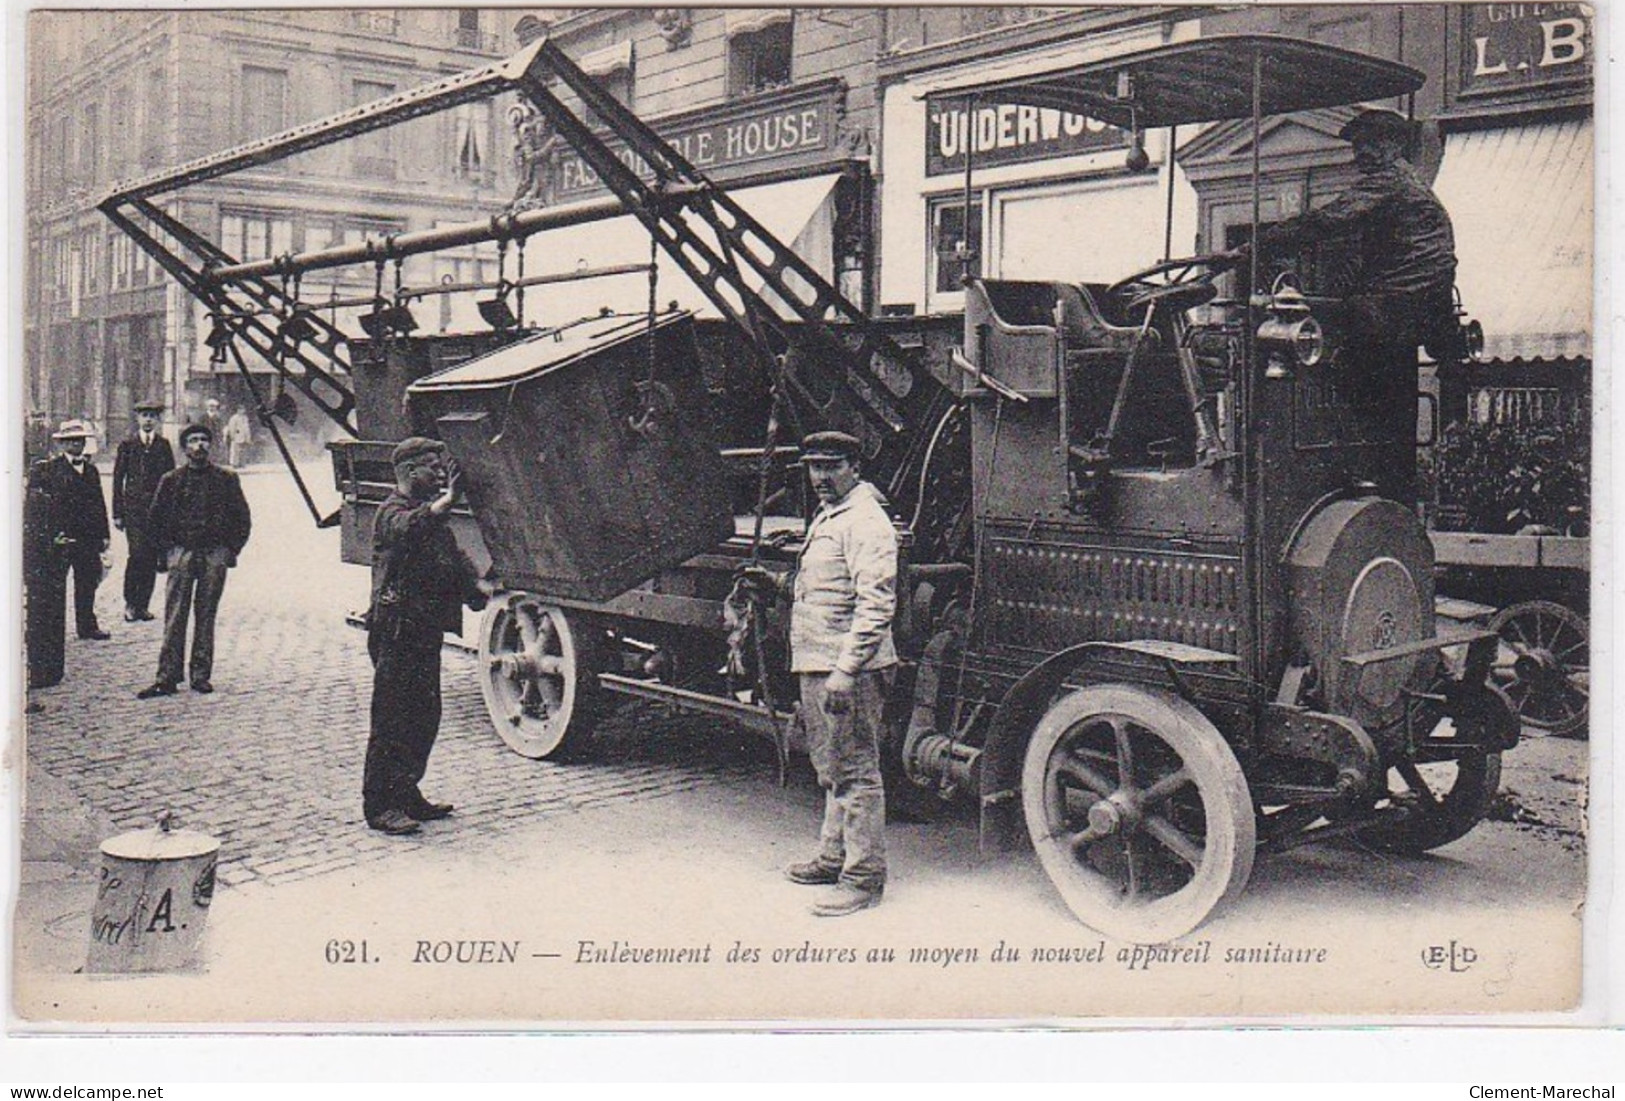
841	649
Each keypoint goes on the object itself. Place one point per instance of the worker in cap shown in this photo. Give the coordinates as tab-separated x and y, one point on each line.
198	524
414	447
1402	252
844	597
421	579
64	532
1378	124
143	458
830	447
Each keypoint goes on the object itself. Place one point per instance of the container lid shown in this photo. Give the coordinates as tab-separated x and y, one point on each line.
546	351
157	843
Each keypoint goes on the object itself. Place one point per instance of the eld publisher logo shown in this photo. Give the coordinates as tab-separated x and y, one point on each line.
1450	957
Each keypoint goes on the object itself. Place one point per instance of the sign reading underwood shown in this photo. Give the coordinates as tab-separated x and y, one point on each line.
1009	134
776	131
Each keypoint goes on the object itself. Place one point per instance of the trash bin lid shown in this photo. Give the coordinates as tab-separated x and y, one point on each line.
155	843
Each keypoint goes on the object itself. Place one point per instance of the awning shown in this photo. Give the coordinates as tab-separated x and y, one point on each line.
798	212
1204	80
1521	201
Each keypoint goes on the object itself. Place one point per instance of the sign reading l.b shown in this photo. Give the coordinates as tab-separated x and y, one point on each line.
1510	46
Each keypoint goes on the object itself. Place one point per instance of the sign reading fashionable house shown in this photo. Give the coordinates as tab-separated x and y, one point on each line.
778	131
1513	46
1009	134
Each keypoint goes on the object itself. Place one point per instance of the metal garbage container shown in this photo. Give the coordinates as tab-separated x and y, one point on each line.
152	900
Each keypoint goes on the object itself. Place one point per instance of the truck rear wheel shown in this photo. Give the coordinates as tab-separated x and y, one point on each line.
1444	801
1545	664
539	674
1138	811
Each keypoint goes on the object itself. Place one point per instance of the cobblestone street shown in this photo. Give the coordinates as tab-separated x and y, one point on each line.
270	764
671	831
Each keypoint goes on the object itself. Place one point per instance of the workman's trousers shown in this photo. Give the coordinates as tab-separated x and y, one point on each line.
405	716
1384	331
47	609
196	581
140	570
845	752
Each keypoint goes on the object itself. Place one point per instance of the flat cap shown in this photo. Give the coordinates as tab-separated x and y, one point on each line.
196	429
1376	123
830	446
150	405
72	430
414	446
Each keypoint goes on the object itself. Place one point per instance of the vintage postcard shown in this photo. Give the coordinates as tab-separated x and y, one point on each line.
650	517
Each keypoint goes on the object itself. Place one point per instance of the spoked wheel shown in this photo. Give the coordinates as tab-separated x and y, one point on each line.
1138	811
1544	664
1443	800
538	674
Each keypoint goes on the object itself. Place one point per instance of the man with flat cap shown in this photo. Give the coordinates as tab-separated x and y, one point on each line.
64	531
199	524
1405	253
420	581
844	595
142	460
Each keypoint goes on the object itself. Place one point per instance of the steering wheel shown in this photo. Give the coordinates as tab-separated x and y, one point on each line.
1185	283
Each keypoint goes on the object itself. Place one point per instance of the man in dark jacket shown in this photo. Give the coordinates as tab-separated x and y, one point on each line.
142	460
199	523
420	581
1405	253
64	531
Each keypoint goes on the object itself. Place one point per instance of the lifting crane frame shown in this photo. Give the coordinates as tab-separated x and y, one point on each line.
830	347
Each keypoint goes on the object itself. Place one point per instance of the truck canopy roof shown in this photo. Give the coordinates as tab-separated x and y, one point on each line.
1204	80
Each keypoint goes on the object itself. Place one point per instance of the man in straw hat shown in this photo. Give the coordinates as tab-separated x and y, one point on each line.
65	531
841	648
199	523
142	461
420	581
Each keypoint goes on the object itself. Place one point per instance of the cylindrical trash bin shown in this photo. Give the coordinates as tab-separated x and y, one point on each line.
152	901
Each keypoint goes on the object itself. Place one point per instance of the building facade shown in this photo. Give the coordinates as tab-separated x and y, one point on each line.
119	95
816	118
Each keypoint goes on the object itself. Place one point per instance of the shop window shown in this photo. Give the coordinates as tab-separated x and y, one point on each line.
59	151
357	230
90	254
121	260
154	120
468	34
264	101
376	22
611	67
122	140
952	244
1515	405
374	150
90	144
255	236
471	141
318	235
759	49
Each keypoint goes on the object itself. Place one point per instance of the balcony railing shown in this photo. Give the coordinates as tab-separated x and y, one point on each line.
472	38
376	22
375	168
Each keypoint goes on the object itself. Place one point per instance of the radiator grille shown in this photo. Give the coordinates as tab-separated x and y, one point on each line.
1049	595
